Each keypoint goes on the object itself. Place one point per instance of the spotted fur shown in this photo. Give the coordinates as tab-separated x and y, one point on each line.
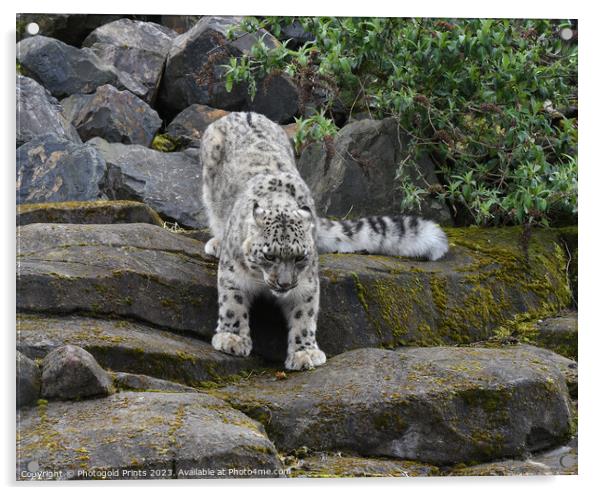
267	236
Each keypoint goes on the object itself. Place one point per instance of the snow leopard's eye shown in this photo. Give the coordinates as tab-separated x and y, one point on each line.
269	257
300	258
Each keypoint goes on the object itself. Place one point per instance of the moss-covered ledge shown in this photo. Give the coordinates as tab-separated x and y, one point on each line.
486	280
87	212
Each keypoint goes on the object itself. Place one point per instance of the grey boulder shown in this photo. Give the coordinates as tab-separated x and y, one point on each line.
135	47
170	183
194	71
70	372
143	435
188	126
38	112
441	405
116	116
356	175
65	70
54	168
29	380
277	98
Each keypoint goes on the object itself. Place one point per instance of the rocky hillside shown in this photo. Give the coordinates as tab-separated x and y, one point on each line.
458	367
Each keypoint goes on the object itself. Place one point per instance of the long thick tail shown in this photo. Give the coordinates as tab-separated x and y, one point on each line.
397	236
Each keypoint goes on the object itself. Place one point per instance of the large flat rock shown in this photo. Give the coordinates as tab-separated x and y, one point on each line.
441	405
141	435
134	270
147	273
125	346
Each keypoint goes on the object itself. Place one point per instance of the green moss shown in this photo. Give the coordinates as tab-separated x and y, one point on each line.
361	291
491	281
166	143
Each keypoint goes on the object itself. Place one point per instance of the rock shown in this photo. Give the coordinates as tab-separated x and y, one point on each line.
125	346
39	113
70	372
379	301
180	23
194	71
559	334
69	28
344	466
295	34
116	116
441	405
29	380
142	435
145	272
562	460
136	48
277	98
137	270
130	381
190	124
53	168
170	183
87	212
355	175
65	70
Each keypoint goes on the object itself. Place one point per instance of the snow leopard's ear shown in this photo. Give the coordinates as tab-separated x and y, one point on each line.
259	215
305	213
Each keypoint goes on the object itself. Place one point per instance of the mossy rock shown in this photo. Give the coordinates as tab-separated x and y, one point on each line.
440	405
485	282
126	346
136	271
141	435
88	212
147	273
559	334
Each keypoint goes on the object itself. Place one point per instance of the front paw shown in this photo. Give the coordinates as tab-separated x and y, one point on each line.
213	247
307	359
230	343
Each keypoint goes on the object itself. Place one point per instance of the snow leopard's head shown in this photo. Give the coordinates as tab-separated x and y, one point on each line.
281	247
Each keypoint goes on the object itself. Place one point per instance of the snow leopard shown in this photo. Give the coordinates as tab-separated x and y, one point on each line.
267	235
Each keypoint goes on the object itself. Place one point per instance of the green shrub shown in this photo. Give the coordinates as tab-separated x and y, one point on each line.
490	101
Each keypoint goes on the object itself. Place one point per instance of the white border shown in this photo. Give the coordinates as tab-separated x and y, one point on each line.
590	93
